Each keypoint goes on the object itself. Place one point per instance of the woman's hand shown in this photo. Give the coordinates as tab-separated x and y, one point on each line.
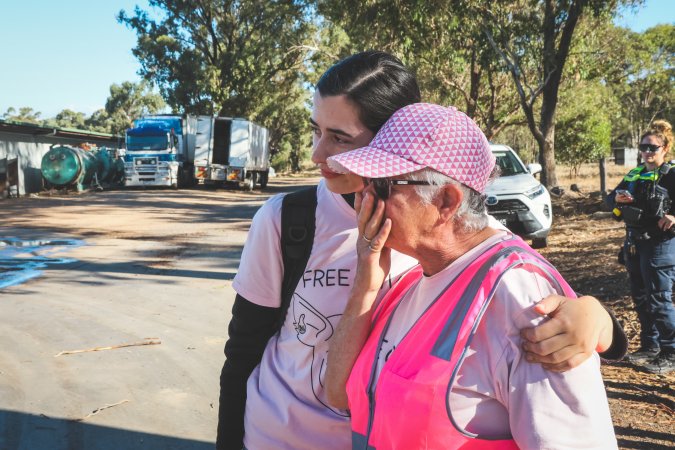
575	329
374	259
666	222
623	198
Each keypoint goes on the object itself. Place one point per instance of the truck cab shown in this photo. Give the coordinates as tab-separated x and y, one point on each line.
156	152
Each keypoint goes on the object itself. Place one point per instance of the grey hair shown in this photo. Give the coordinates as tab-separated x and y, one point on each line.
472	214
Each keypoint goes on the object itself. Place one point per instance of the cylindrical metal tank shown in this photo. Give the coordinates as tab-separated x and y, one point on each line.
118	170
112	166
65	166
105	165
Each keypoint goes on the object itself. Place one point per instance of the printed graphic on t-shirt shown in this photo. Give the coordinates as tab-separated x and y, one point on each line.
386	350
315	329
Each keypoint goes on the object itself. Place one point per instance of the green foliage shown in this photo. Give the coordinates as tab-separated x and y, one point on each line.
509	64
24	114
501	62
99	121
231	58
583	130
444	43
129	101
521	140
68	119
534	41
289	159
645	87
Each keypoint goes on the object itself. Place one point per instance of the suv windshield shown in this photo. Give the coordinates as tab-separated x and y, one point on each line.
508	163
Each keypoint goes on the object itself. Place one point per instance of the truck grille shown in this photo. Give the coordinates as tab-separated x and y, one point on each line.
507	205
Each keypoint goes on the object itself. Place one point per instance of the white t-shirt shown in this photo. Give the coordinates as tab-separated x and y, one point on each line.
286	406
496	392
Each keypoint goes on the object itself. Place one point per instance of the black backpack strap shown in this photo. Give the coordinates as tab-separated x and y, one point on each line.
298	223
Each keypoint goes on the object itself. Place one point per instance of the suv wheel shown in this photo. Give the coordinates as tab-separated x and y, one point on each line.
539	242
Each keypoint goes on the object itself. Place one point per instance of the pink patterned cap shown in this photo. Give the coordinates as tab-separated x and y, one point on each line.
423	135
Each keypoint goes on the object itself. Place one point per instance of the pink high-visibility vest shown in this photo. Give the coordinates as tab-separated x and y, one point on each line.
408	408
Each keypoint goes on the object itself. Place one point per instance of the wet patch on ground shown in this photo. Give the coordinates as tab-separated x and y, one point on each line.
22	260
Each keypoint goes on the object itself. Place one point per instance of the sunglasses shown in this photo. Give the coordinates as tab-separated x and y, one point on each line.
649	148
382	186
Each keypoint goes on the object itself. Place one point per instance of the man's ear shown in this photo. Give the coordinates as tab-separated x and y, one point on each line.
448	200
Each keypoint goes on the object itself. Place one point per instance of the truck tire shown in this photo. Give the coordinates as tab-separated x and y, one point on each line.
539	242
248	184
188	180
264	177
178	184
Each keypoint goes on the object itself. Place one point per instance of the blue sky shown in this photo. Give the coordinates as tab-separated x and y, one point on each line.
59	54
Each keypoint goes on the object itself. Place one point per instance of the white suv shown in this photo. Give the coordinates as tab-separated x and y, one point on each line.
517	199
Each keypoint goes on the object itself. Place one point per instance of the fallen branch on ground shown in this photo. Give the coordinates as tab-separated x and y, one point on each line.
147	341
98	410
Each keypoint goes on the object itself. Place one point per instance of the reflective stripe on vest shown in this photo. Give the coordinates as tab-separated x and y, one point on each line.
409	409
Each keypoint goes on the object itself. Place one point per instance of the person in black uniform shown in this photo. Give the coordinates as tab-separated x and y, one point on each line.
644	200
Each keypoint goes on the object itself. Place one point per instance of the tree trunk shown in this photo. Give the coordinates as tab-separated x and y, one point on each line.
603	179
553	62
547	129
294	158
547	157
474	86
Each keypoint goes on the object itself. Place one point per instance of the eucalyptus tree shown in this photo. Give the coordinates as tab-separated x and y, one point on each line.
25	114
646	89
539	34
68	118
443	43
230	58
128	101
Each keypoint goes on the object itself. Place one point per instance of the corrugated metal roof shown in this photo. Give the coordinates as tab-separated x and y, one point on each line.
10	126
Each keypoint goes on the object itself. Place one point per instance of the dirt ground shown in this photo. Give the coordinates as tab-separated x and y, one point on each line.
169	235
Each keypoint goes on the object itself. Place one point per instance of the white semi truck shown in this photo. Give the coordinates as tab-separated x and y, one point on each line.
179	150
160	151
231	150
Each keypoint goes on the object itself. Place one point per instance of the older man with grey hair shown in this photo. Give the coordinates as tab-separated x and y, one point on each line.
438	363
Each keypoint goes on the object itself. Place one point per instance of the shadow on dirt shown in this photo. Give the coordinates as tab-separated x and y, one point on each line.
21	431
623	435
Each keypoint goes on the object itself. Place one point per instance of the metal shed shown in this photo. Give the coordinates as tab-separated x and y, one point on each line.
625	156
27	144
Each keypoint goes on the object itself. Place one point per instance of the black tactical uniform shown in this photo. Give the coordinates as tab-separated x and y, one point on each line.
649	256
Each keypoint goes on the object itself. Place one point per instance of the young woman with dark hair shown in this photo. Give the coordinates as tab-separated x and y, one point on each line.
272	382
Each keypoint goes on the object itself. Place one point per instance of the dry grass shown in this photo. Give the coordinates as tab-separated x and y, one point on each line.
588	178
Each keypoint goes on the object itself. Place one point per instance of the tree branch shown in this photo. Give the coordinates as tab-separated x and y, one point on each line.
527	106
